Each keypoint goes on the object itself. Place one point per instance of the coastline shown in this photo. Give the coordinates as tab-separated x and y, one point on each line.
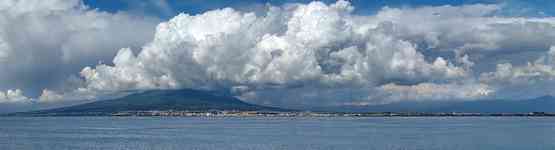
172	113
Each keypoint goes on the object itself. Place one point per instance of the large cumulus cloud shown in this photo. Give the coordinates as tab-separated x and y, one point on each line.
43	42
304	54
193	51
313	47
324	54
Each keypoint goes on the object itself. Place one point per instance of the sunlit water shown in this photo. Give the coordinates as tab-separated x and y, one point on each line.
141	133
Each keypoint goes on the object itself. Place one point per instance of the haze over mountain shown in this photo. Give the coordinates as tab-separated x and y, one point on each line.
540	104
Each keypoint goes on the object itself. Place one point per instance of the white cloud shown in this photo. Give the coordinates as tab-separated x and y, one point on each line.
287	46
13	96
50	96
296	54
324	50
43	42
430	91
531	80
469	27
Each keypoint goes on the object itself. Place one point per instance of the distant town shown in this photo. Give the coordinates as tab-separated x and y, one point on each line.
171	113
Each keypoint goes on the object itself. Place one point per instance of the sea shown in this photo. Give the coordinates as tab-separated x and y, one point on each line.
273	133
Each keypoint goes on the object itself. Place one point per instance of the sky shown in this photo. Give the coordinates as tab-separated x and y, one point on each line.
280	53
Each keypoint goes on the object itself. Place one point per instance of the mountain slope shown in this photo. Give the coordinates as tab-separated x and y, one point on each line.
178	100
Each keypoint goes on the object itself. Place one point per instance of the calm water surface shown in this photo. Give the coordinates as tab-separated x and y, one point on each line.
145	133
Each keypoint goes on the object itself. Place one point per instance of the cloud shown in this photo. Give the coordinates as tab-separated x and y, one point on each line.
473	30
13	96
43	42
430	91
4	47
468	27
289	55
50	96
323	54
289	46
534	79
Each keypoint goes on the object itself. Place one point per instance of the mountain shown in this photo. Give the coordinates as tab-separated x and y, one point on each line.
540	104
196	100
177	100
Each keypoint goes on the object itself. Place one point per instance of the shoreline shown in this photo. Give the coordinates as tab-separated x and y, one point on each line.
172	113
